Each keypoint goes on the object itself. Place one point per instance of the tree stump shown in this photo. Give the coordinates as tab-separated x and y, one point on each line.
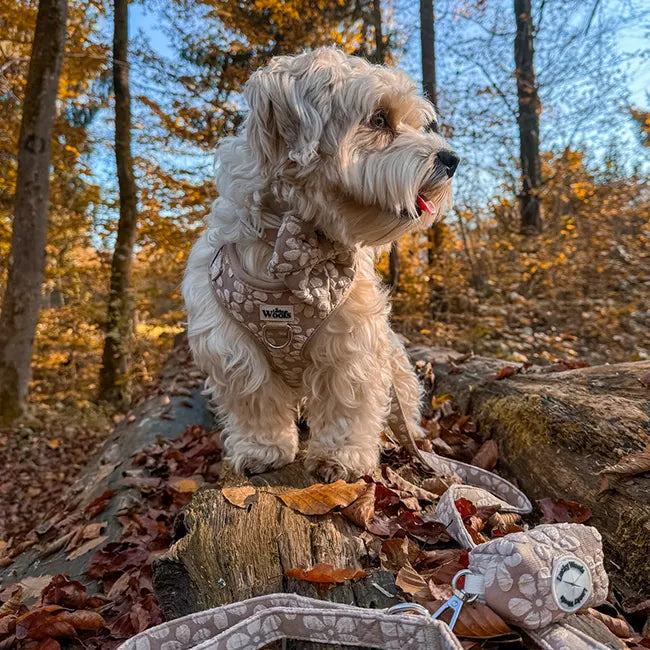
224	553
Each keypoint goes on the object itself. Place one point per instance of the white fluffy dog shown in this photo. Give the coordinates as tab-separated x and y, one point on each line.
351	151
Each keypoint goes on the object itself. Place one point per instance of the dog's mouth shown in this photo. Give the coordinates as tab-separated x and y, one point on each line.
423	205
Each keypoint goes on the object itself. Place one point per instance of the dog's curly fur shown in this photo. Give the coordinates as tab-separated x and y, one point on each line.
345	144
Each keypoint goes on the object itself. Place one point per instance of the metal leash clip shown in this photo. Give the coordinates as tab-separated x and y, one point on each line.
456	602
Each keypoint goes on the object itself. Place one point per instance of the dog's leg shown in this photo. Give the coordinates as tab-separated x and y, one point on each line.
348	387
260	430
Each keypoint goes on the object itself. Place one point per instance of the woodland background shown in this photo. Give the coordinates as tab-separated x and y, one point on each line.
572	282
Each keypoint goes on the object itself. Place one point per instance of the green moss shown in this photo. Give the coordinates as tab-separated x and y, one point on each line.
629	545
535	419
523	418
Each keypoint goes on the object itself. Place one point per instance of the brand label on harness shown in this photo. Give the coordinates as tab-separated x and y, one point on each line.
276	313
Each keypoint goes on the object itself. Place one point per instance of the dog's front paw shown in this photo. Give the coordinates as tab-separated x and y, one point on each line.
348	463
251	458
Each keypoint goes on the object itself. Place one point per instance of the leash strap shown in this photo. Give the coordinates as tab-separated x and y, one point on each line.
508	496
254	623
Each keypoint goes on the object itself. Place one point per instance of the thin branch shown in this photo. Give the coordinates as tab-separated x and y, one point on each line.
591	16
488	76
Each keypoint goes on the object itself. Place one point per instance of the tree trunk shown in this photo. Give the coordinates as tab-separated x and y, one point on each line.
22	297
380	57
380	51
428	42
429	86
527	119
113	377
224	553
555	432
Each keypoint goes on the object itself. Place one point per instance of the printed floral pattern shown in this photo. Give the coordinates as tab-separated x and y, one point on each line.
311	276
255	623
517	570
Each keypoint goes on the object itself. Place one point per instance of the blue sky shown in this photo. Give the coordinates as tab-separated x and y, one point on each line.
145	23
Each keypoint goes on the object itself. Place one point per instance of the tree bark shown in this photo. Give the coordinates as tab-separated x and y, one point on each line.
555	432
380	51
428	42
429	87
224	553
113	377
22	297
527	119
380	57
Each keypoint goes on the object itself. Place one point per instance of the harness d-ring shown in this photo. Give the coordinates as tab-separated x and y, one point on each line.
276	327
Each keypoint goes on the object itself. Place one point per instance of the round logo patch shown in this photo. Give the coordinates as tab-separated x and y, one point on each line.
571	583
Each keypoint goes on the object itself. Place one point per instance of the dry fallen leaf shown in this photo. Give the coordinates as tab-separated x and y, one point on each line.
412	583
362	510
438	401
88	546
33	585
397	552
629	465
506	371
326	574
559	511
404	486
486	456
241	497
184	485
438	485
618	626
320	499
476	620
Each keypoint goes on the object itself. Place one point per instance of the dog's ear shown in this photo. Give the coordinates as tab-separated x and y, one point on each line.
290	104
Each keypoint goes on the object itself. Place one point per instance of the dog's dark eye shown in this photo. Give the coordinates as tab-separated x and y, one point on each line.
379	120
432	127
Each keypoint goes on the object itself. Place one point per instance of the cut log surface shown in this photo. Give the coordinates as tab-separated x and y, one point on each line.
555	431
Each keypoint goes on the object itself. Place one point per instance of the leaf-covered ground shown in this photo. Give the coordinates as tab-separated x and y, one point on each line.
114	599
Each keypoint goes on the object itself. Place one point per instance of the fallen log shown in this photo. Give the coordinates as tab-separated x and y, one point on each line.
174	403
555	431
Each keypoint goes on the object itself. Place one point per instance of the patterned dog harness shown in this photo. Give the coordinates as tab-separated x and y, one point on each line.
311	278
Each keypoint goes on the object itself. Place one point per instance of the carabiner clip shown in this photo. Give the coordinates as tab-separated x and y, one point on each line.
456	602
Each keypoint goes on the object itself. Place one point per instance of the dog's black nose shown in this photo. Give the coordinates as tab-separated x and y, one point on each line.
449	160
